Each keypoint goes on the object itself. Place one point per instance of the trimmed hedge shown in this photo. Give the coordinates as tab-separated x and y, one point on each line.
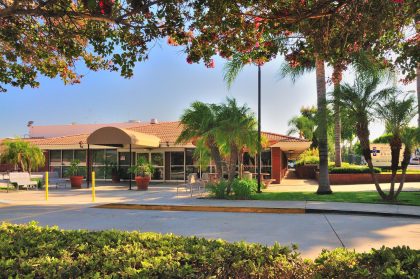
31	251
352	169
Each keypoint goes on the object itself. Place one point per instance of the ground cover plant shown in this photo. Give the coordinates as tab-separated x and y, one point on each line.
31	251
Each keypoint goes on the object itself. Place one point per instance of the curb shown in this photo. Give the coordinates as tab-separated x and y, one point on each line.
363	213
242	209
202	208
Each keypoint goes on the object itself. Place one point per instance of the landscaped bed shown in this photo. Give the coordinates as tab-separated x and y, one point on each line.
404	198
30	251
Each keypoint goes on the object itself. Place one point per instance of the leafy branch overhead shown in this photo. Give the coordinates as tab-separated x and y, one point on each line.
56	37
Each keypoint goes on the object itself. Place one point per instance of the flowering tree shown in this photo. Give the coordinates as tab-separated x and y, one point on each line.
54	37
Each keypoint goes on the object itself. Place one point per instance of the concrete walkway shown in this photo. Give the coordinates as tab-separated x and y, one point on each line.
73	209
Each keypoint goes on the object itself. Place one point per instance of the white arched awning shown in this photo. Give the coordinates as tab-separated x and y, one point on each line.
113	136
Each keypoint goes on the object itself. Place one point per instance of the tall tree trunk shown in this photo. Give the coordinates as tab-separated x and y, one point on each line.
337	117
232	167
418	93
404	165
363	135
217	158
396	145
324	181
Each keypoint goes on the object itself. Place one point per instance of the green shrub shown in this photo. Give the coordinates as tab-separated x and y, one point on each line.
30	251
397	262
244	188
218	190
352	169
309	157
308	160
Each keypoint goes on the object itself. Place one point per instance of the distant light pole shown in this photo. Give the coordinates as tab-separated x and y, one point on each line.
259	131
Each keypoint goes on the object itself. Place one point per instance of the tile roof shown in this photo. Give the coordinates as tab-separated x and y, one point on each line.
166	131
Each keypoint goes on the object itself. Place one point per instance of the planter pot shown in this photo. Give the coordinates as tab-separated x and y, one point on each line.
76	182
142	183
116	179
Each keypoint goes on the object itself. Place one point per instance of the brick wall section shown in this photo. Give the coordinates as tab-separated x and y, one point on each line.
276	163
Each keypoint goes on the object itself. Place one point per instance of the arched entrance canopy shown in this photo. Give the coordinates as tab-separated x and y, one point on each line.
292	148
113	136
118	137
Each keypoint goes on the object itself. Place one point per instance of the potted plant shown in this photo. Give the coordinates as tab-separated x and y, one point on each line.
142	171
75	179
116	174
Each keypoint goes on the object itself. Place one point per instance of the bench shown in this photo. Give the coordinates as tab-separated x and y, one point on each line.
54	179
22	179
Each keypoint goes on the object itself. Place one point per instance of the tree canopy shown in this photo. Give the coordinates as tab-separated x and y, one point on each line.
55	37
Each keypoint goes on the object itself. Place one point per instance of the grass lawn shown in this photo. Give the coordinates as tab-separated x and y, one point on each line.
406	198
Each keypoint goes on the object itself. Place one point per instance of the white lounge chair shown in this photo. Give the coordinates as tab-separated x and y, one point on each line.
22	179
193	183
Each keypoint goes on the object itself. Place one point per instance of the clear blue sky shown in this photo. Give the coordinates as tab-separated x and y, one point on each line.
161	88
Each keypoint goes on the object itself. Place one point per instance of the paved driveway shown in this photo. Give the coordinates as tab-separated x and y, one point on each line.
312	232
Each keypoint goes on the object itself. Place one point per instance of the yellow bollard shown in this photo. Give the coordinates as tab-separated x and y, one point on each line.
93	187
46	185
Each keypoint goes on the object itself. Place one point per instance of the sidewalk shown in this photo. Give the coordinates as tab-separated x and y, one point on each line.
164	196
285	207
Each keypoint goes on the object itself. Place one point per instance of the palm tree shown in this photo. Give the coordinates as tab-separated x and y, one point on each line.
236	129
321	89
232	69
302	126
22	153
410	138
396	113
199	122
418	94
361	99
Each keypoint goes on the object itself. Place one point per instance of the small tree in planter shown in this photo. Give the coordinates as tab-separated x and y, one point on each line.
142	171
116	173
73	171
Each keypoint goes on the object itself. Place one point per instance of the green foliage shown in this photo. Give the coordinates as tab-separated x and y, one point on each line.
396	262
26	155
244	188
406	198
73	169
31	251
385	138
142	168
347	168
337	262
218	190
309	157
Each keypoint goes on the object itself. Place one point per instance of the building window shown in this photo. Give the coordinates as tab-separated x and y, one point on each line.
249	163
81	156
158	165
144	156
55	156
67	157
124	163
266	162
61	159
191	165
177	166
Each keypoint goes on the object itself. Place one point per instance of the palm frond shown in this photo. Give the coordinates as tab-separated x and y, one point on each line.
293	72
231	70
